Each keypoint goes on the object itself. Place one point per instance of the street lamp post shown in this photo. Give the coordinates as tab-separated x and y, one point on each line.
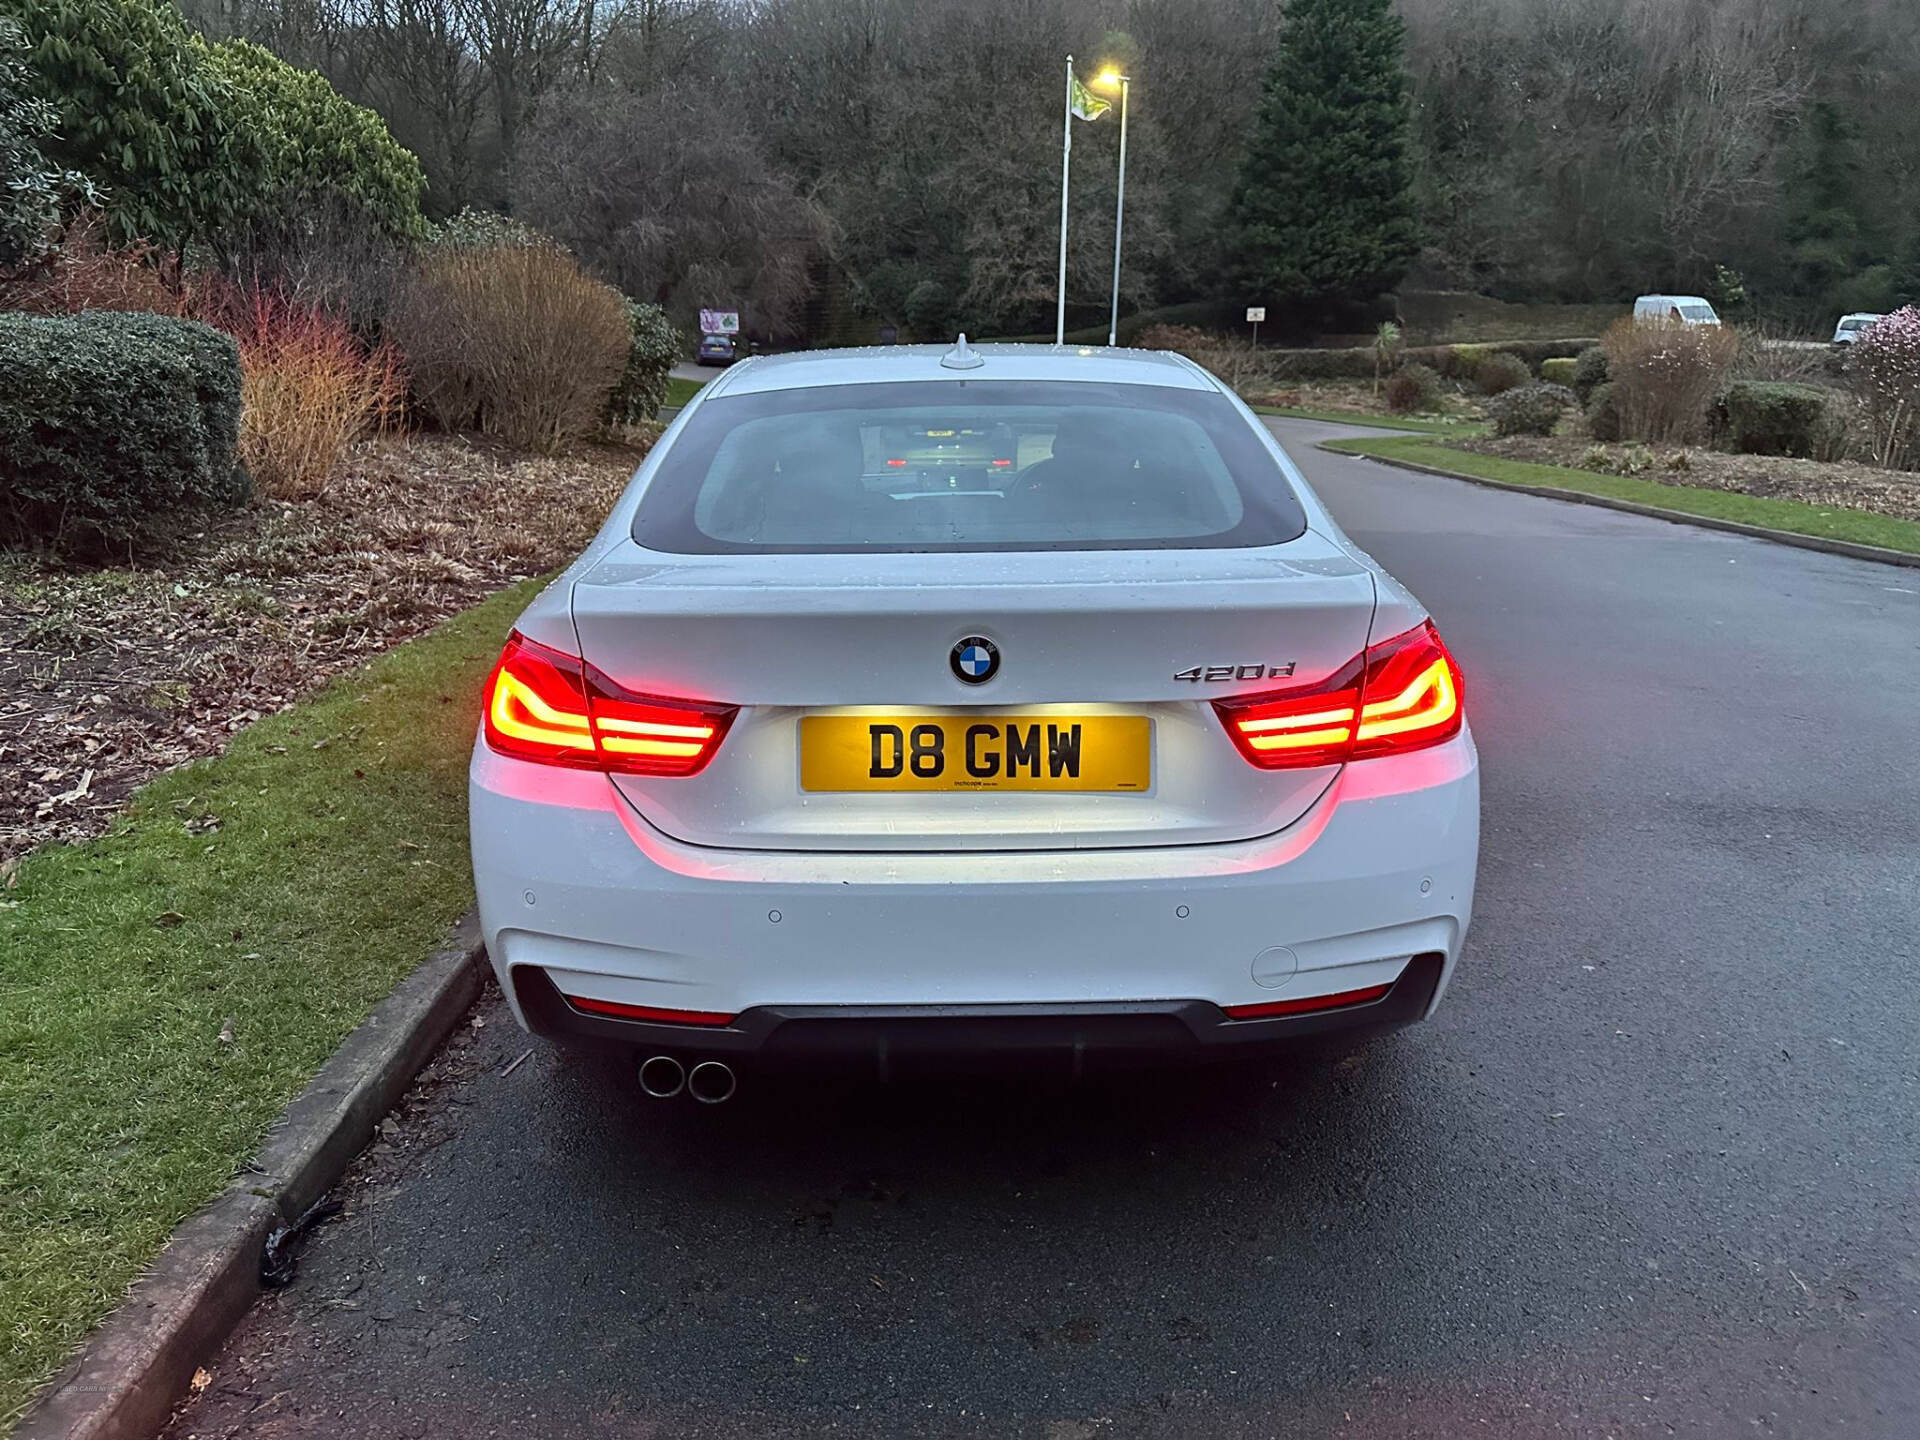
1108	79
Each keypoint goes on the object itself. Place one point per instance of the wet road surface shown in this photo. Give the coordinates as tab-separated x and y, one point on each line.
1653	1169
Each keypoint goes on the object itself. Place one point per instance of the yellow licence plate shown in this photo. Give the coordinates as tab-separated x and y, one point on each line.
976	752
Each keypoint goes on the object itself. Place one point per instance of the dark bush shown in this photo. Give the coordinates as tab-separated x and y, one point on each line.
652	348
1603	413
1589	373
1529	409
1500	373
214	359
1412	388
104	425
929	309
1773	417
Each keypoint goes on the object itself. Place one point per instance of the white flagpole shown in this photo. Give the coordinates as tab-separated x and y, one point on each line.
1119	216
1066	157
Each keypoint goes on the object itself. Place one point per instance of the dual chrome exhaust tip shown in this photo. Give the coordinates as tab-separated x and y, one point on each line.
711	1082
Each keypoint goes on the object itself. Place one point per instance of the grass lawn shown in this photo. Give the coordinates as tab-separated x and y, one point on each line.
680	390
166	989
1826	522
1379	422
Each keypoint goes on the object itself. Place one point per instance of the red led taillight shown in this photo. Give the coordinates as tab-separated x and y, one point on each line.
547	706
1402	694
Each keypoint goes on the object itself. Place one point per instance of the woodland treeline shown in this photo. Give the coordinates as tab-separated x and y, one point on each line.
903	154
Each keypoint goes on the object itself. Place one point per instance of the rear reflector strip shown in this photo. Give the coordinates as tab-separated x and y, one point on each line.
615	1010
1307	1005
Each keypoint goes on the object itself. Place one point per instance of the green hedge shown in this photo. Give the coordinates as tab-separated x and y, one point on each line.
1770	417
215	361
651	353
110	424
1456	362
1560	370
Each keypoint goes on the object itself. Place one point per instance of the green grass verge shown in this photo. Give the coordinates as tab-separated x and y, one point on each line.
333	865
680	390
1460	428
1856	526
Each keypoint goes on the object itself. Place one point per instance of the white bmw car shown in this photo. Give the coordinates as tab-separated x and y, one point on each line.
1009	698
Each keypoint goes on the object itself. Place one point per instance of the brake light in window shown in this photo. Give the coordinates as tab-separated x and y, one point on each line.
553	708
1402	694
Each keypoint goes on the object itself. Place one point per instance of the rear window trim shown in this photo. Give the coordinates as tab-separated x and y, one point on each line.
1273	512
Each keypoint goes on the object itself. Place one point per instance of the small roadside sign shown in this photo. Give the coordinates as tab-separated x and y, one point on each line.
719	322
1256	313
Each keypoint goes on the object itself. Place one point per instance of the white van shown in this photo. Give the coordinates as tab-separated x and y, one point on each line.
1681	309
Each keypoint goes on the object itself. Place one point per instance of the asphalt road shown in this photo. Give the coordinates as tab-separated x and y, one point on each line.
1654	1169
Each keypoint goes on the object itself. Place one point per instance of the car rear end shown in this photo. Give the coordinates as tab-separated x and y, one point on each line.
1852	327
1034	706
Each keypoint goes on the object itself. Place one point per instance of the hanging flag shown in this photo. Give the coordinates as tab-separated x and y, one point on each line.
1086	104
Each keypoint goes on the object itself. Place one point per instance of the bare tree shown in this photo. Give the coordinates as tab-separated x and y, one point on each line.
669	196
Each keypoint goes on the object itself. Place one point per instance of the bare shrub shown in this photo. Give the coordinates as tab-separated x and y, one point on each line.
309	389
319	252
1775	352
1188	340
1664	375
1886	376
514	340
1412	388
85	273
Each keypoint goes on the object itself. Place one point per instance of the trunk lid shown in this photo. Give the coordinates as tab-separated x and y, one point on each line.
1080	636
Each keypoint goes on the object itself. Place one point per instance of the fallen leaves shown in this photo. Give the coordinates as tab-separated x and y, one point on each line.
109	676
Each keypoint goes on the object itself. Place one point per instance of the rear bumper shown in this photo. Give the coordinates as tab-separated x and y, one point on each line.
1162	1029
1097	950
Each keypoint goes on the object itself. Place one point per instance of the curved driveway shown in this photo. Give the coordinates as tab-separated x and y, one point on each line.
1654	1169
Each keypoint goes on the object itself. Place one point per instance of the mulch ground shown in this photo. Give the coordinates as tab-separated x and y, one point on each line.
1842	485
110	675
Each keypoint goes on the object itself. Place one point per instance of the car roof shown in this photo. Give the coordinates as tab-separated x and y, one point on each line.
1672	299
1863	315
878	364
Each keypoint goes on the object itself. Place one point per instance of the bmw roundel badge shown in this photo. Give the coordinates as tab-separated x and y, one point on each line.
975	659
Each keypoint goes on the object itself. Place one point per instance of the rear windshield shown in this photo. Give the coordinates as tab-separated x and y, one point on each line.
949	465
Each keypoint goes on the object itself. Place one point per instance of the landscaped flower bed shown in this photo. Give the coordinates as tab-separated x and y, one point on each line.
1840	484
110	675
